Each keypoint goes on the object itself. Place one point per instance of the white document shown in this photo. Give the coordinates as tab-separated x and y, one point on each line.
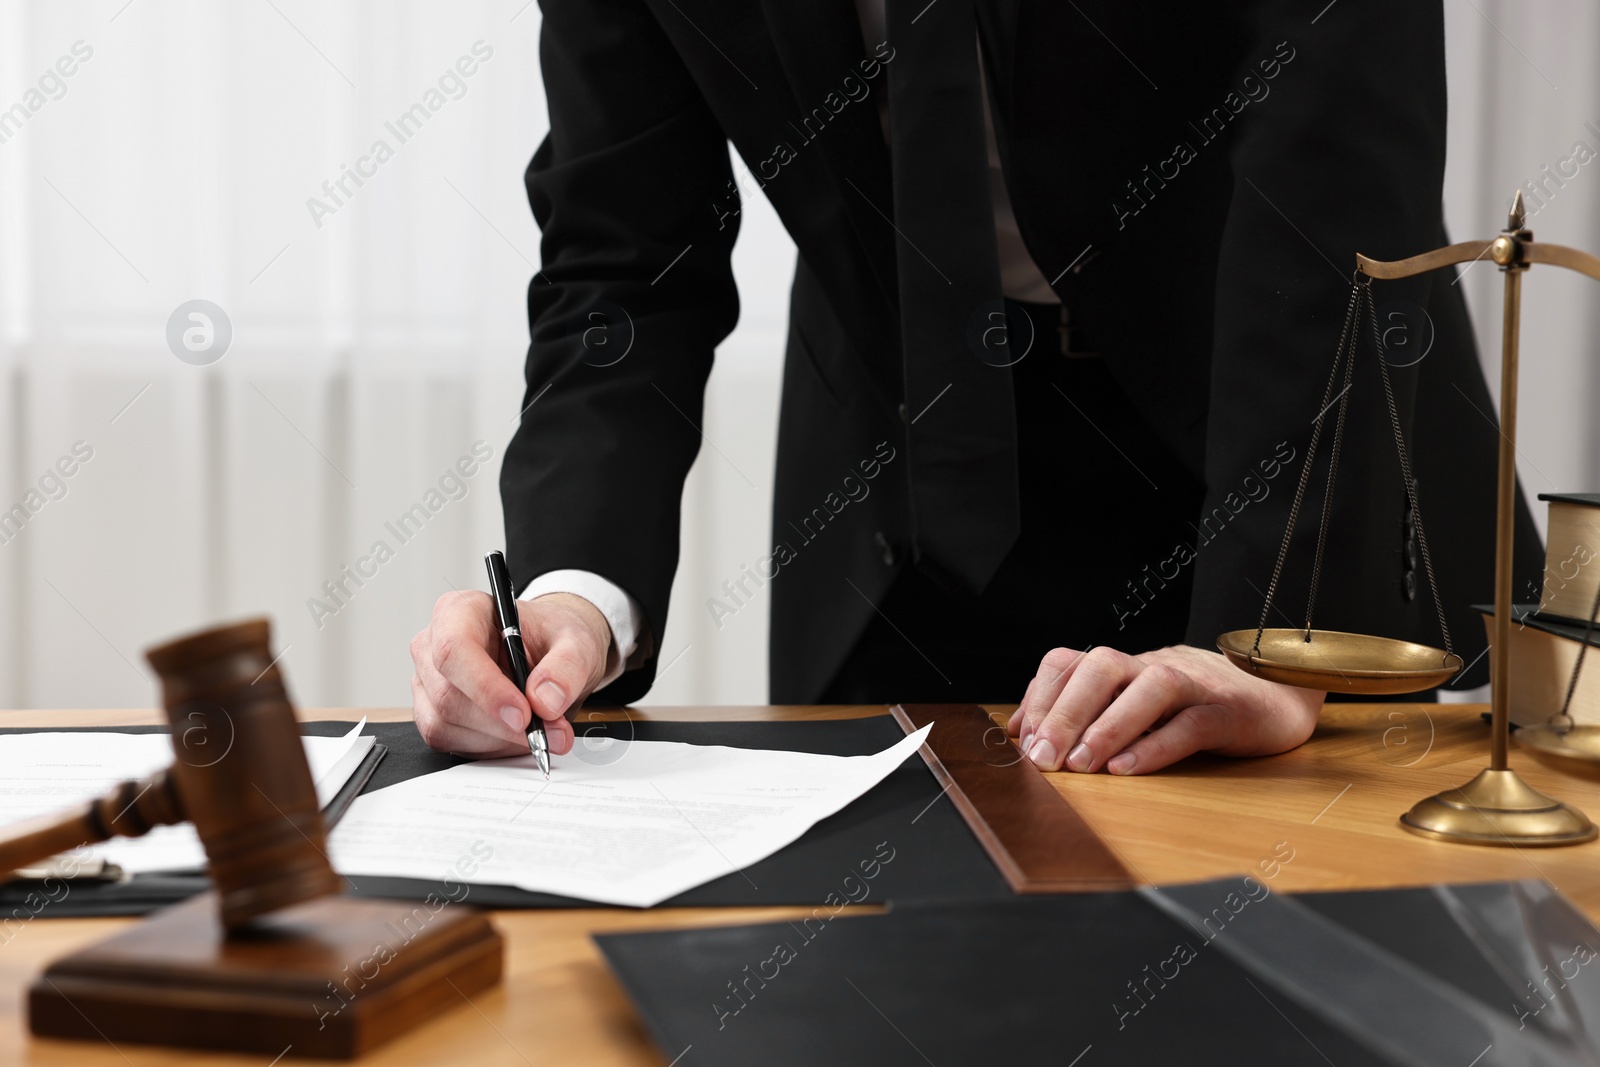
42	773
658	819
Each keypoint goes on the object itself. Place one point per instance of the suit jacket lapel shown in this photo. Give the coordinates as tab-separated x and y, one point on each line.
819	47
998	21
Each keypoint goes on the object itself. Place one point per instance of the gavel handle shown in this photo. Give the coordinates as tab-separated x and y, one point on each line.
130	809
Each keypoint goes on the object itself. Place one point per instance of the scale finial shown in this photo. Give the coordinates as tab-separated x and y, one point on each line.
1519	212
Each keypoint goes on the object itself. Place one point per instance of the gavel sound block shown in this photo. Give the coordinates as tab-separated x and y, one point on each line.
274	960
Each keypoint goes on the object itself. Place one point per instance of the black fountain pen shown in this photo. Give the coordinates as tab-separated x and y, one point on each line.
505	606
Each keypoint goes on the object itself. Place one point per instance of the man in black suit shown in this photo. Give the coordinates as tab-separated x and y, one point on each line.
1084	484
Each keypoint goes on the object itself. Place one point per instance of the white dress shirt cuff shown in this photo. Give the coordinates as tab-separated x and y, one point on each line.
629	646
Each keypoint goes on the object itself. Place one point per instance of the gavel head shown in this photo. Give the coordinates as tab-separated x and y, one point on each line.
240	772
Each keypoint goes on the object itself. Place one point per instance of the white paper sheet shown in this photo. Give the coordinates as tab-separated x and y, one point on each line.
659	819
42	773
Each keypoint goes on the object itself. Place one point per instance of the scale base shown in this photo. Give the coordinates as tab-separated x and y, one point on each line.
1498	808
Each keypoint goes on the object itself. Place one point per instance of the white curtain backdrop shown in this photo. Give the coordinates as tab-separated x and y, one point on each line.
378	336
1524	93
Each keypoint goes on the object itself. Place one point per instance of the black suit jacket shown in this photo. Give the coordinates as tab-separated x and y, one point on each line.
1207	173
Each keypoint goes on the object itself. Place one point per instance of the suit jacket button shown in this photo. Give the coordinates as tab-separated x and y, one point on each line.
885	548
905	417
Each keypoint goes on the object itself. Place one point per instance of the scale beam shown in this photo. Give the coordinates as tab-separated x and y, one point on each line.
1562	256
1465	252
1504	250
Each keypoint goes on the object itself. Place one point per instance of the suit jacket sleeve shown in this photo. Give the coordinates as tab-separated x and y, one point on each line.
634	293
1341	151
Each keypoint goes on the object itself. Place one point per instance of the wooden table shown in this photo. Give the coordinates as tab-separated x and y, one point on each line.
1331	806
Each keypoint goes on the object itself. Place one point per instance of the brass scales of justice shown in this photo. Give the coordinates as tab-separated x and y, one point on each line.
1497	807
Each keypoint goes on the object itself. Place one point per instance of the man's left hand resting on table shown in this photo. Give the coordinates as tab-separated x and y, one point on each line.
1085	711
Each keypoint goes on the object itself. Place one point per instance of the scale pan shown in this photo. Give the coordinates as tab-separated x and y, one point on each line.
1577	751
1340	662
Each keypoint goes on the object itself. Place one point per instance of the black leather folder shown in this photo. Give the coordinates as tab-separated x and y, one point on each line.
934	853
1217	973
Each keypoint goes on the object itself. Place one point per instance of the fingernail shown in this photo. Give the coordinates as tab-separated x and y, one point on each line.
1122	763
1080	758
512	717
550	694
1027	740
1043	754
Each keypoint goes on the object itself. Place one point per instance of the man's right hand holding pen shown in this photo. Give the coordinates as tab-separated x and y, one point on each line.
463	702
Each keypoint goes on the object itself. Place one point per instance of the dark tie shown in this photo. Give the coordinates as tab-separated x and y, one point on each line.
963	440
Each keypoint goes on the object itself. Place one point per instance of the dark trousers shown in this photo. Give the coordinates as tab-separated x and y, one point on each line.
1102	501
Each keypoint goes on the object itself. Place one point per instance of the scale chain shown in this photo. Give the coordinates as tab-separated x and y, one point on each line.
1405	468
1360	299
1305	470
1333	470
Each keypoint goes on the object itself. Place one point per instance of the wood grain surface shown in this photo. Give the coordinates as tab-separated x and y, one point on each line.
1330	807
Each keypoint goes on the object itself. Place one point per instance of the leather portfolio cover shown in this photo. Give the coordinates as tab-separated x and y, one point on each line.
930	851
1038	841
1214	973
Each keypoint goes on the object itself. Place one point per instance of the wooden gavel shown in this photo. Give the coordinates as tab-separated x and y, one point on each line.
239	774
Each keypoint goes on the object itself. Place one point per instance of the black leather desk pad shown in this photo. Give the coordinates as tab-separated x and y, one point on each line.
934	854
1042	979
